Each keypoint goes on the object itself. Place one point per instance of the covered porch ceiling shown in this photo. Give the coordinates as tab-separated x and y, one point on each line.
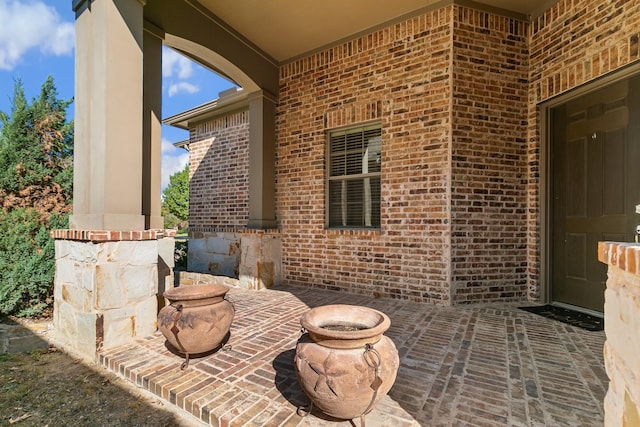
287	29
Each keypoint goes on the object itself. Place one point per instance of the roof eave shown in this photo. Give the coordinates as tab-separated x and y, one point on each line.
229	100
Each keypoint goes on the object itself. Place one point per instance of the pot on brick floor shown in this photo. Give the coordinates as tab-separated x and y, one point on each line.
344	362
197	319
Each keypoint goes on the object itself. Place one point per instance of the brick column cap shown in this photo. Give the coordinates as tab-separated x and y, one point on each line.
110	235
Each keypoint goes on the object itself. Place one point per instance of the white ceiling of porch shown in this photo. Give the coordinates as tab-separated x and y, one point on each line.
285	29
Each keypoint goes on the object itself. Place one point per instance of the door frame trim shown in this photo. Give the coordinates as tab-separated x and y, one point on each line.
544	112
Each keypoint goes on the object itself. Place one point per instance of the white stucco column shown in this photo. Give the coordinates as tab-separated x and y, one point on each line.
108	115
152	128
262	118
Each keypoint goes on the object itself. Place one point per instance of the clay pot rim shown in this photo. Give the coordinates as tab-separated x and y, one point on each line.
314	320
196	292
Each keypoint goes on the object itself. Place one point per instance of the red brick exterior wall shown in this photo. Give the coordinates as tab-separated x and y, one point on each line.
489	165
456	91
219	173
578	40
401	76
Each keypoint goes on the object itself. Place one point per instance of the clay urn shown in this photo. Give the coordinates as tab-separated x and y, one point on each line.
197	319
344	362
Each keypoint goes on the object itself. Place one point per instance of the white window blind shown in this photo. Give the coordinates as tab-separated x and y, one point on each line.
354	177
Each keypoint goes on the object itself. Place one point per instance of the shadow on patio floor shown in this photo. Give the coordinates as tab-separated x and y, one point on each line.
489	364
43	385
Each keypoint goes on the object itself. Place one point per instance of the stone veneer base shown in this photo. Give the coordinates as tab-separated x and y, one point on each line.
254	257
622	326
107	284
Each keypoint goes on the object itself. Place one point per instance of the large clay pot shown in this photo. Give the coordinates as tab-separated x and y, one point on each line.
197	319
344	363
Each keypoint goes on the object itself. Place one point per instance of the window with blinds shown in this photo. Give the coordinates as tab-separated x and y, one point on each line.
354	177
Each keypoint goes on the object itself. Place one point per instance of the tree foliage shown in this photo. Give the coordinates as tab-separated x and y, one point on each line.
36	184
36	147
27	258
175	199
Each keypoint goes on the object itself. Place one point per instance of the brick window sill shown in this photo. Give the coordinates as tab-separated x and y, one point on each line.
351	232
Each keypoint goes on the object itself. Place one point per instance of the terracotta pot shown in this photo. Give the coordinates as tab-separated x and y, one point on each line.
344	363
197	319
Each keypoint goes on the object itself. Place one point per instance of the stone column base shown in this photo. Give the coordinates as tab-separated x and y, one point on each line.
622	323
260	256
251	256
106	286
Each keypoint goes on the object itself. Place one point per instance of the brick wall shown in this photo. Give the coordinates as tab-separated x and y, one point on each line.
572	43
489	167
219	173
450	90
401	76
576	41
457	92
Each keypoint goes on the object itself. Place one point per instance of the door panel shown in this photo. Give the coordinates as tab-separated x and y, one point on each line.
596	185
614	175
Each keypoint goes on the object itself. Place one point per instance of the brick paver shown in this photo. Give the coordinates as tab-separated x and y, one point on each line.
480	365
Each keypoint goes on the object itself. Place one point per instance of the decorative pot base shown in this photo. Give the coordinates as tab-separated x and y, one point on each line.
197	320
345	364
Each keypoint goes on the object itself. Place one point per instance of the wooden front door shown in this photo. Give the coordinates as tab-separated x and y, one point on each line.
595	187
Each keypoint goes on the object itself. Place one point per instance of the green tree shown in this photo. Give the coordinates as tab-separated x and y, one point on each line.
175	199
36	185
36	148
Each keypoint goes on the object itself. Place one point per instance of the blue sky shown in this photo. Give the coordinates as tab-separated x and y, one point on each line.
37	40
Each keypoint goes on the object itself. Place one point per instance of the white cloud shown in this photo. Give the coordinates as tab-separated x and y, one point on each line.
176	88
173	160
172	62
168	148
32	24
176	69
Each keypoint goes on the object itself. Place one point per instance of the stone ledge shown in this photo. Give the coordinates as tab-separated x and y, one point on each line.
110	236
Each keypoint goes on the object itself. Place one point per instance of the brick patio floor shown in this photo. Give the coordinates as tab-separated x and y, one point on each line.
480	365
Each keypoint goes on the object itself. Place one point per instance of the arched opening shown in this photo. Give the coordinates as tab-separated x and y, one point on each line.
186	84
117	157
202	37
211	60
